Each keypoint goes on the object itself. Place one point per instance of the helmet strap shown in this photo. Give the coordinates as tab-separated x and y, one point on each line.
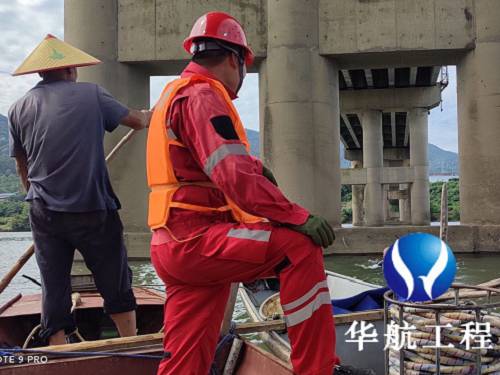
240	67
241	61
214	45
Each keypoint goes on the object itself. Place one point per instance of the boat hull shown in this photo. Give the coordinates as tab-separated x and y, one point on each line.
19	320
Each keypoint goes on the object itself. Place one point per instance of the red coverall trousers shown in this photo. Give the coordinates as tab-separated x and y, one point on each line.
198	274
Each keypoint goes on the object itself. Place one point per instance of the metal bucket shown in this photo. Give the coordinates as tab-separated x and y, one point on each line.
462	306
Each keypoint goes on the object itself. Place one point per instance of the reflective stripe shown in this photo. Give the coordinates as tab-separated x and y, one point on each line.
171	133
250	234
219	154
164	97
305	297
306	312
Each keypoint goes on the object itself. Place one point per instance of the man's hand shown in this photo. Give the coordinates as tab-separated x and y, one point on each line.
318	229
266	172
147	116
137	119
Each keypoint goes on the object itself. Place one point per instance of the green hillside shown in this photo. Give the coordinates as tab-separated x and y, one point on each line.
7	166
13	210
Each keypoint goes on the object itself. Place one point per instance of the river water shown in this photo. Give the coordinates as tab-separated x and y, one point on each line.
472	269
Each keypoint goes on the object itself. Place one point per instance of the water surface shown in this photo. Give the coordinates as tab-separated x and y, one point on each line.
472	268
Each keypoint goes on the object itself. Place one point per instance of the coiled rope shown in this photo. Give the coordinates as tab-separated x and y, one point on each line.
455	360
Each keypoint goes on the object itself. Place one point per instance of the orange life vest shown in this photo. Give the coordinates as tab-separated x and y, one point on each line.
161	176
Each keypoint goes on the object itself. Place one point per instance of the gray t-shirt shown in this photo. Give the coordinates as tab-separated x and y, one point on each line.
60	127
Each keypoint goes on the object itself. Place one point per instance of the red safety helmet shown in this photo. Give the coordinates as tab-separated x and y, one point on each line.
220	26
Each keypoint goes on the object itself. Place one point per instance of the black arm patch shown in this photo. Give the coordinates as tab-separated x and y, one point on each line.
224	127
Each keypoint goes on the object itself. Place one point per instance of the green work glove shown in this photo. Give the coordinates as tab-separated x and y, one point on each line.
318	229
266	172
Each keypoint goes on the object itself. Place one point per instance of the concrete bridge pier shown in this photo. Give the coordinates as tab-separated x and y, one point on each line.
91	25
391	192
420	210
373	162
386	202
405	203
301	109
357	199
478	86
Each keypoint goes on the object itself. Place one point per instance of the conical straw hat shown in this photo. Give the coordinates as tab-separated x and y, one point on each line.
53	53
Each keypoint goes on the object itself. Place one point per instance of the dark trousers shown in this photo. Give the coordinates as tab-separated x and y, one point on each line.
98	236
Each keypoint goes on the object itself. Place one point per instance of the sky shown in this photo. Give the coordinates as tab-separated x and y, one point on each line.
24	23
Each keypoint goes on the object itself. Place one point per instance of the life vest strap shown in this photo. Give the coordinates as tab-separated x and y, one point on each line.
189	206
195	207
176	185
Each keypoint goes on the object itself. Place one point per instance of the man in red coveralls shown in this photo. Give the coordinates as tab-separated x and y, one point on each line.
218	217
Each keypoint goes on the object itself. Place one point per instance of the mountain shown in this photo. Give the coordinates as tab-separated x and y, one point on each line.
253	138
4	135
440	161
7	165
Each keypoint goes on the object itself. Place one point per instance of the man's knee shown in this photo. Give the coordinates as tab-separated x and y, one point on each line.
297	246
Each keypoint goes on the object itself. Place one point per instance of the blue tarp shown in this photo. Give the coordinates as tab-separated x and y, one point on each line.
368	300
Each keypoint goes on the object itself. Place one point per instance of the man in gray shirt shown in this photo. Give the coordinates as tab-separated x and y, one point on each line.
56	136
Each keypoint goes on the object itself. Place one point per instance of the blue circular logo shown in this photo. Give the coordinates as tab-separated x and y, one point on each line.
419	267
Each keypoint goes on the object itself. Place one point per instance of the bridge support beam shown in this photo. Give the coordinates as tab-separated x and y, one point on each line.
357	199
371	121
478	120
301	109
404	203
127	83
420	208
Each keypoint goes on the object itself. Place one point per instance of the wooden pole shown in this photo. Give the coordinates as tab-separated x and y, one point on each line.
154	338
443	222
17	266
120	144
232	359
9	303
31	250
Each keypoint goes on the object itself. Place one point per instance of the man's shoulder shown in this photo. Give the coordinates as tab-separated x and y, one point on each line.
87	86
198	90
22	103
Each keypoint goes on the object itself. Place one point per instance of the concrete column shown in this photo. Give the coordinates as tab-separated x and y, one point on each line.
420	204
264	138
404	204
385	201
357	198
301	109
478	86
92	26
373	153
